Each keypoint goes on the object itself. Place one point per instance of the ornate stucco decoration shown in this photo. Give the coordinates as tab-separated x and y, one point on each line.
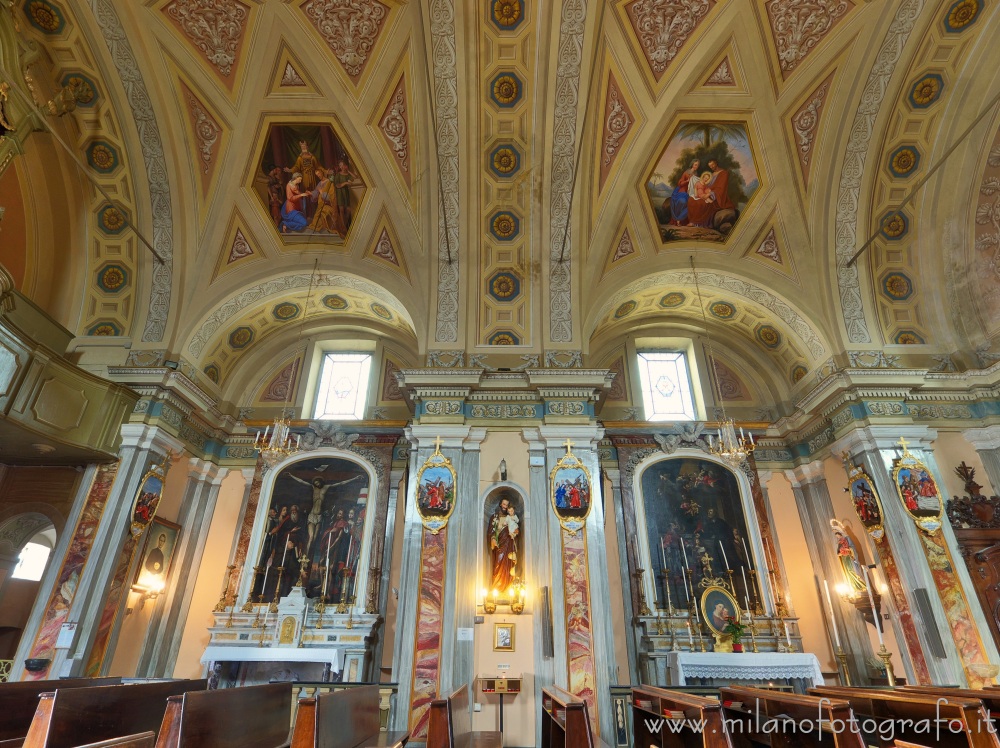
349	27
799	25
214	27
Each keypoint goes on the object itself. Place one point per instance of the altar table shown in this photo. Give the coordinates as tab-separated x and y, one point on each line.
799	669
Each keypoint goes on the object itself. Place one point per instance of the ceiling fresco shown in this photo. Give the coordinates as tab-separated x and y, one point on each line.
526	174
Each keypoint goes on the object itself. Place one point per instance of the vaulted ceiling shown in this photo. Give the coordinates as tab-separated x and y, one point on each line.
510	170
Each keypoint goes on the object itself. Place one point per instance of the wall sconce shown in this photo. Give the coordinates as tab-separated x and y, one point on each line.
859	599
490	602
519	592
147	593
503	470
517	604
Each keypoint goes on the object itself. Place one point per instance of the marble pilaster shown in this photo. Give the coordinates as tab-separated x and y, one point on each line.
986	442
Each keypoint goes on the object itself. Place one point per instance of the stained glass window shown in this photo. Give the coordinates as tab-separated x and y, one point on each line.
343	386
666	386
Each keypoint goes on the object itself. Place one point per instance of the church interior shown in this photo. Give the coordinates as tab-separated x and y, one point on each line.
499	372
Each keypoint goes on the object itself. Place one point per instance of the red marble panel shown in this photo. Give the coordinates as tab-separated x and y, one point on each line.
111	607
903	613
579	631
61	598
427	648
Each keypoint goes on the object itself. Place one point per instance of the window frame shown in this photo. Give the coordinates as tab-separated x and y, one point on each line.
645	385
363	386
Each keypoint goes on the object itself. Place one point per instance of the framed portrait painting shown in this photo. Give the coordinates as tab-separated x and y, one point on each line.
436	482
157	554
570	491
717	606
503	637
917	490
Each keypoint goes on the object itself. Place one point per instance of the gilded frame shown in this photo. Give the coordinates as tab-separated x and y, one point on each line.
507	645
908	468
571	518
716	591
438	467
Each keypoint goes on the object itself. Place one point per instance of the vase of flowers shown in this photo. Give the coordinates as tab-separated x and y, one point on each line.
735	630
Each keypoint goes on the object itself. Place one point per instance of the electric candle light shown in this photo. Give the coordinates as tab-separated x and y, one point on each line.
681	540
724	559
833	619
868	584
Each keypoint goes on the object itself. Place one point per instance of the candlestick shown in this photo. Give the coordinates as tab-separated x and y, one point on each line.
686	564
221	605
643	607
326	571
788	634
875	615
841	656
690	637
758	609
724	559
833	618
663	554
248	605
886	657
666	587
747	552
746	587
688	585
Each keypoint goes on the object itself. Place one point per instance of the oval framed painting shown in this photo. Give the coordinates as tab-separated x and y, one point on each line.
866	501
717	606
917	490
147	498
436	493
570	491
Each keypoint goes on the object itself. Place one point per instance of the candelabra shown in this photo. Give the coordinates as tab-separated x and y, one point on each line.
841	656
886	657
729	573
320	608
224	599
643	607
753	632
731	448
342	605
256	618
755	592
248	605
277	590
659	624
666	589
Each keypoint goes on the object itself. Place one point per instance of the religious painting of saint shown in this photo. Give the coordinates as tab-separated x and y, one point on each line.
503	637
308	182
314	523
570	486
850	559
866	501
157	553
436	491
717	607
702	181
504	511
694	510
918	491
147	498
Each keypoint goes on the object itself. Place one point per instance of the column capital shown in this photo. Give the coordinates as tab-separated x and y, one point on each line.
206	471
764	476
983	438
584	437
811	472
874	438
151	438
534	439
453	436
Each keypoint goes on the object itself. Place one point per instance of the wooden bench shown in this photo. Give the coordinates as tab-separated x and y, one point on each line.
566	722
913	717
450	724
990	699
71	717
755	716
248	717
700	726
343	719
20	700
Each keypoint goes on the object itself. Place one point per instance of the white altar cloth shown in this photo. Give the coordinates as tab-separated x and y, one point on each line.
326	655
757	666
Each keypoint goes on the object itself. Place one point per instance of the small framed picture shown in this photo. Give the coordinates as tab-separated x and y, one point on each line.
157	553
503	637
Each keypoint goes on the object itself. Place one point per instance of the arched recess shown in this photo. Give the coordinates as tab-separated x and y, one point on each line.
651	558
496	562
267	492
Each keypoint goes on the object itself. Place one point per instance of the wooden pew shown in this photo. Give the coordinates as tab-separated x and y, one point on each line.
343	719
450	724
990	699
143	740
565	721
756	716
72	717
20	700
248	717
650	706
908	715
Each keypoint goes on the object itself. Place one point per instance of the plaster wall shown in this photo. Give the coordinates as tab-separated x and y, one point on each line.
950	449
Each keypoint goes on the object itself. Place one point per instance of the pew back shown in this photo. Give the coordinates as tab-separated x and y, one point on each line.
948	722
565	721
143	740
783	719
702	723
248	717
20	699
75	716
346	718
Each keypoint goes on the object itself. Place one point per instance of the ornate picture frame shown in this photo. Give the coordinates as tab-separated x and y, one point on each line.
436	490
147	497
917	490
503	637
157	555
570	491
713	597
866	501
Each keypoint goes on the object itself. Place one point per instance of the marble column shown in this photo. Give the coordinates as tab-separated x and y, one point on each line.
385	565
812	497
874	448
166	625
986	442
142	447
633	641
602	653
